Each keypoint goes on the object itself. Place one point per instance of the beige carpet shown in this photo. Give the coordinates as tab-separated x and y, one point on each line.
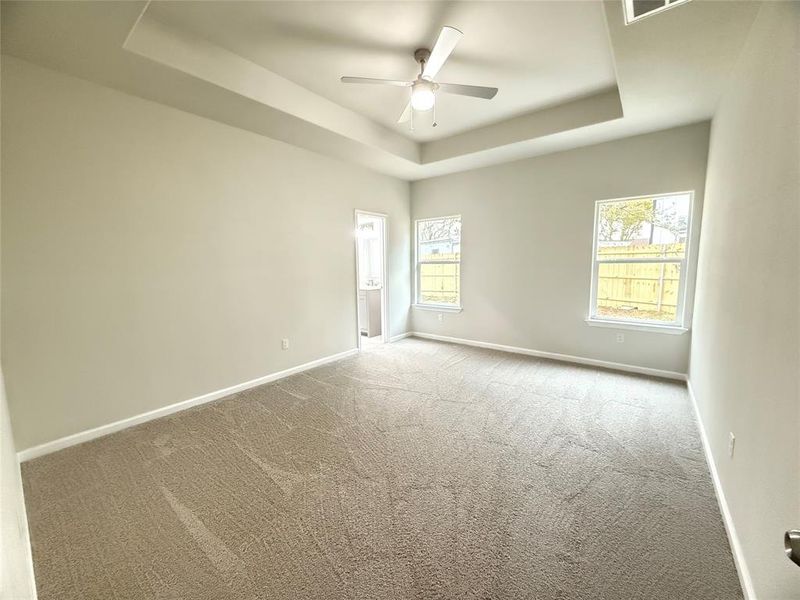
416	470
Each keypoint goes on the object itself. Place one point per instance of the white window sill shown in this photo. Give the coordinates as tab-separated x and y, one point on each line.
668	329
437	308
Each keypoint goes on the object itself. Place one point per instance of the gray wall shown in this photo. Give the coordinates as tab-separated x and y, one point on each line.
746	350
527	242
150	256
16	564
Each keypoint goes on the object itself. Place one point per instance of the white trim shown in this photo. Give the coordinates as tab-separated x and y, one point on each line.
26	534
657	260
683	282
402	336
645	326
384	220
736	546
30	580
415	302
604	364
629	14
102	430
640	196
453	216
437	307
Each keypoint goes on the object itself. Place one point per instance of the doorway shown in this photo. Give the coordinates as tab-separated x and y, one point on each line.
371	288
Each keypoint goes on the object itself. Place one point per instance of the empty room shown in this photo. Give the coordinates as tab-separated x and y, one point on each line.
400	300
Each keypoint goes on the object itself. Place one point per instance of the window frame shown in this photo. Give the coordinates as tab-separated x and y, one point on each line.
417	271
629	15
680	324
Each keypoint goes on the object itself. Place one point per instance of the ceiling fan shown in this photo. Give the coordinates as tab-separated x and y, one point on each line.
424	88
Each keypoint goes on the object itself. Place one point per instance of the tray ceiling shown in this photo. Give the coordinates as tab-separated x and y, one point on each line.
570	73
538	53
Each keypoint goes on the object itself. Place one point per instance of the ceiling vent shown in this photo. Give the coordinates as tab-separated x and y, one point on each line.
639	9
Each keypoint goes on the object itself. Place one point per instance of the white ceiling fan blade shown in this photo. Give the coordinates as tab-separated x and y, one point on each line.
378	81
448	39
476	91
406	116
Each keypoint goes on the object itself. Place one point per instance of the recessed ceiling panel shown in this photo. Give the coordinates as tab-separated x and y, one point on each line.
537	53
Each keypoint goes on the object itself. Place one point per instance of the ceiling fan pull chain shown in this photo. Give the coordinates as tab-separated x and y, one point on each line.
434	113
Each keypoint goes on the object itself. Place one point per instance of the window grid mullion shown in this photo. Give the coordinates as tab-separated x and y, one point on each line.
633	261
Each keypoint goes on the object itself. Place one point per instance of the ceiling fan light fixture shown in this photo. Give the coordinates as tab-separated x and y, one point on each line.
424	87
422	95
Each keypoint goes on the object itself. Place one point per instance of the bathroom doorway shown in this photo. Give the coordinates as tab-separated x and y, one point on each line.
371	279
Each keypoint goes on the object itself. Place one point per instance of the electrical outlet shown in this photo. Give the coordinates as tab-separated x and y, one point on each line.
731	443
620	338
441	316
285	343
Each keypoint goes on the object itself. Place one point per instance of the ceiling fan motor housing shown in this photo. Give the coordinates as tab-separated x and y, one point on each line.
421	55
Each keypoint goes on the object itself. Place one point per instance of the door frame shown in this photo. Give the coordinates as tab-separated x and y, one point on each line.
384	220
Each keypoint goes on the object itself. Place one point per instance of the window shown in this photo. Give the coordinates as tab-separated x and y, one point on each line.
439	262
639	260
639	9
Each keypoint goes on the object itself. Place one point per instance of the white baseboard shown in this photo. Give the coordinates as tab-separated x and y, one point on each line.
397	338
736	547
32	592
19	501
554	356
90	434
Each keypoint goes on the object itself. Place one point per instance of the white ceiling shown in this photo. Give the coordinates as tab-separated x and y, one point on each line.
570	73
537	53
